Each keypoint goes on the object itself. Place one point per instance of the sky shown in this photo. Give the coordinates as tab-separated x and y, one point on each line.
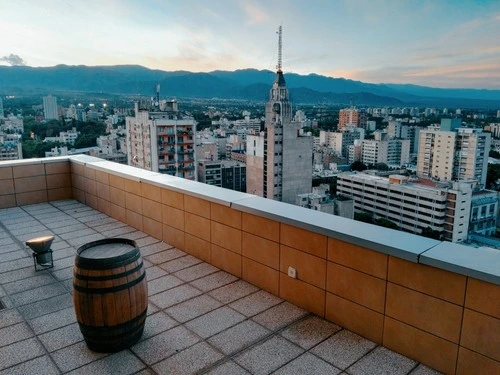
437	43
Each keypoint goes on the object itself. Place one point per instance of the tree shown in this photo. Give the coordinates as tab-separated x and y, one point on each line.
365	217
494	154
86	140
492	176
431	233
381	167
382	222
358	166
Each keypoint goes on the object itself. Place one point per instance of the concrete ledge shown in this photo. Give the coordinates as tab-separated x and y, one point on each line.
481	263
388	241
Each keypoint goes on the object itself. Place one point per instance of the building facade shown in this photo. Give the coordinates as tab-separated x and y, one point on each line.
161	139
454	155
414	207
50	107
394	152
228	174
352	116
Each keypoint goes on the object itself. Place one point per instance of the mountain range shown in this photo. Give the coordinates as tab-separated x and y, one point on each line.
245	84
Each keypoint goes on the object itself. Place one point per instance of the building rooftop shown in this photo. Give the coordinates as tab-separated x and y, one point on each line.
200	318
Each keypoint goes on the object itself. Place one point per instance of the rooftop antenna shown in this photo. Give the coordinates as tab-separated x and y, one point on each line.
280	48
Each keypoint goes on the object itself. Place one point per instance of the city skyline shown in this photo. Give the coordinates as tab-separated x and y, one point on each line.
431	43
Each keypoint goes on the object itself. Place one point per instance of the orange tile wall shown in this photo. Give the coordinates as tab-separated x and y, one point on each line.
447	321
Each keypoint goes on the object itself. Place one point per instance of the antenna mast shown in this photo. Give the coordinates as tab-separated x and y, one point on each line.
280	48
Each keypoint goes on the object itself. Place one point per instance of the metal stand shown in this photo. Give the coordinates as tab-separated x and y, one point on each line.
43	266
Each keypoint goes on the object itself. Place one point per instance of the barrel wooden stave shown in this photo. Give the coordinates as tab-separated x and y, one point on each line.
111	304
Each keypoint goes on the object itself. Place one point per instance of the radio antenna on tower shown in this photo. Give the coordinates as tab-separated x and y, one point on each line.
280	48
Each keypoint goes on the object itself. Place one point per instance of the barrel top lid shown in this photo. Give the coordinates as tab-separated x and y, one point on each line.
104	249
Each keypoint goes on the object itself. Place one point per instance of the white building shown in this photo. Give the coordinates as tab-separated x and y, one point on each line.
454	155
10	147
50	107
394	152
412	206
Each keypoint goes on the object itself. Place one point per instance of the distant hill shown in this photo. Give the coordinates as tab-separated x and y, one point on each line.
247	84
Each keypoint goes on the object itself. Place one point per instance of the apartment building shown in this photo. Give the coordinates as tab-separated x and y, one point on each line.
413	206
229	174
390	151
50	107
160	138
454	155
352	116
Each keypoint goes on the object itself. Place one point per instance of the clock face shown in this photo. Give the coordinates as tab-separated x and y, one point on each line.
276	108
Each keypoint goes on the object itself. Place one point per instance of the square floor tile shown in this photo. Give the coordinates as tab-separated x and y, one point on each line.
20	351
180	263
279	316
214	322
74	356
14	333
268	356
382	361
255	303
310	331
38	366
214	281
157	323
239	336
233	291
165	344
189	361
174	296
195	272
162	283
228	368
122	363
193	308
62	337
307	364
343	349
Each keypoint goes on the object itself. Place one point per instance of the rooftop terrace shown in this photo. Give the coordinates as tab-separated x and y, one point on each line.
220	298
200	318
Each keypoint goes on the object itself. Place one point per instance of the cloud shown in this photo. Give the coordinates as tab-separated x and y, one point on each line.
254	14
13	60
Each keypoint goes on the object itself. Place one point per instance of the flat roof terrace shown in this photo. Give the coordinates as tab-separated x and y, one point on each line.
200	318
436	303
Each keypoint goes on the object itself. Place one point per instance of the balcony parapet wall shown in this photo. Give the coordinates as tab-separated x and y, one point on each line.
436	302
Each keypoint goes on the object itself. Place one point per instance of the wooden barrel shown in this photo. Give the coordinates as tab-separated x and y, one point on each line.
110	294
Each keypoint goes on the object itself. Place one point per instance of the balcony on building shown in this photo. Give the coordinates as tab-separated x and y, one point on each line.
237	283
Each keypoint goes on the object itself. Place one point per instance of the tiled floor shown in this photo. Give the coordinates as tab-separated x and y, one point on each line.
201	319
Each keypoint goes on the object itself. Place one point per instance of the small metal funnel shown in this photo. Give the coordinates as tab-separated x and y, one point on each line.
40	244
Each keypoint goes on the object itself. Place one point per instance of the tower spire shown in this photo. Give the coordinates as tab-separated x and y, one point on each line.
280	48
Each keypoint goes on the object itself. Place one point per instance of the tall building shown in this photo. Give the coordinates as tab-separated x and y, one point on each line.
50	107
161	139
1	108
352	116
454	155
279	160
